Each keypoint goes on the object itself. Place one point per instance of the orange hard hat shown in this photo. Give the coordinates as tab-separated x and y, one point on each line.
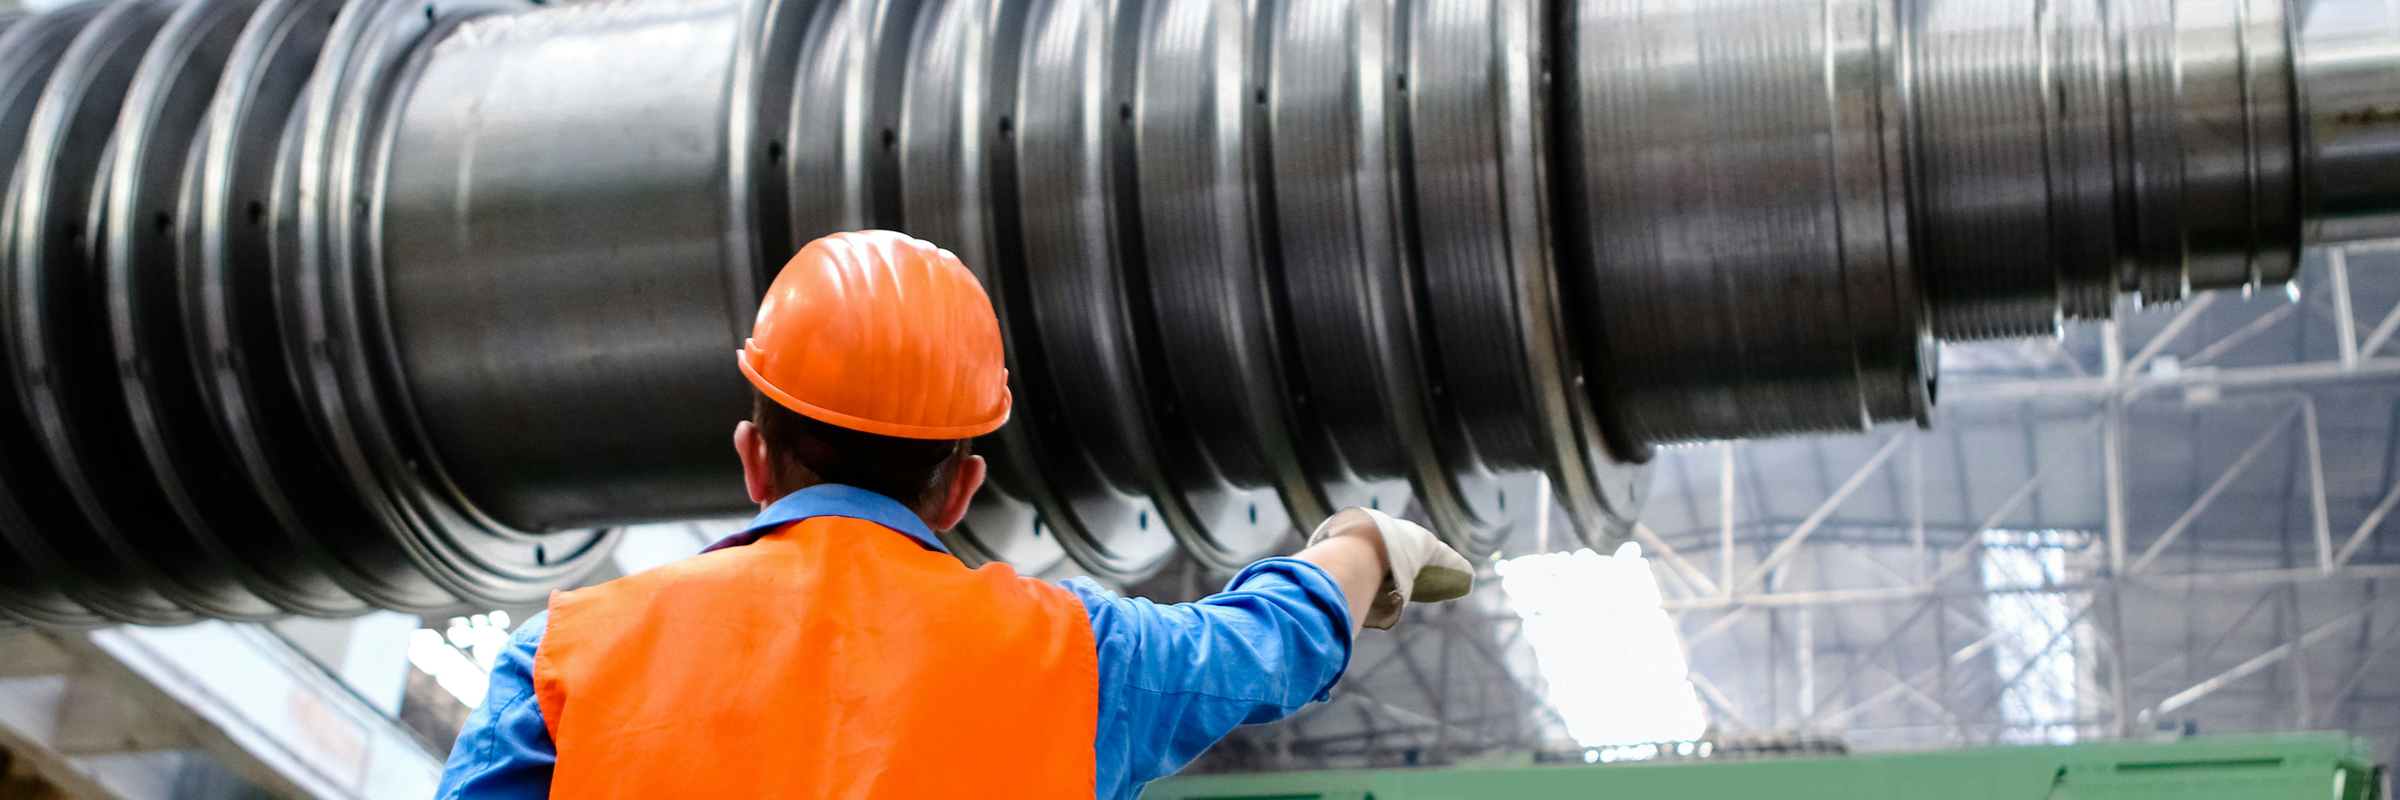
881	332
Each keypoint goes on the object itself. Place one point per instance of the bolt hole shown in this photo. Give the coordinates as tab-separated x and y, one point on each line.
774	152
541	556
429	11
75	231
1259	96
1253	513
1124	112
1143	521
1504	499
257	212
1375	503
1039	529
1401	80
163	222
1008	127
890	139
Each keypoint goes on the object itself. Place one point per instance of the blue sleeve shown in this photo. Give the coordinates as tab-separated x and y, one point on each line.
1176	678
504	752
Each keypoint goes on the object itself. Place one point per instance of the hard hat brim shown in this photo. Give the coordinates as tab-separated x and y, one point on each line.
862	424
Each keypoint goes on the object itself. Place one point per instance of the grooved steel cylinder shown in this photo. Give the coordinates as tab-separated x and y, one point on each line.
314	306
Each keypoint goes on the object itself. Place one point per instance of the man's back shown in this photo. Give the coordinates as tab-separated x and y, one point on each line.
840	657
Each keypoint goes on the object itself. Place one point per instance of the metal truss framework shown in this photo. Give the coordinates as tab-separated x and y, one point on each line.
2310	646
1863	613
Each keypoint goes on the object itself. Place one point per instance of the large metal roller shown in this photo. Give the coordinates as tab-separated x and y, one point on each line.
314	306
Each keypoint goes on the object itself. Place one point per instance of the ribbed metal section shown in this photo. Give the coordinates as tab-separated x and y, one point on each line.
2142	146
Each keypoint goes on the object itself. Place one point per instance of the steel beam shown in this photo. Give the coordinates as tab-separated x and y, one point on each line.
2257	326
2345	320
2366	527
1699	580
2252	666
1799	535
2175	327
2208	496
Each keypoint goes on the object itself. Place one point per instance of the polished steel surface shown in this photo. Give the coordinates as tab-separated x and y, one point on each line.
1742	260
46	580
319	305
1224	409
2349	59
127	543
508	240
164	111
1509	385
350	296
231	316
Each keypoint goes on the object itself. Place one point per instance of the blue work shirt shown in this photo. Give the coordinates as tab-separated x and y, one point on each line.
1173	678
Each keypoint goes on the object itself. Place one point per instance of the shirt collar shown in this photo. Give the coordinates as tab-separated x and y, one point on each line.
835	500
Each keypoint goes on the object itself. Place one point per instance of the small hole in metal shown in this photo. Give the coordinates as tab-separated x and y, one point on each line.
1253	513
541	556
1007	127
163	221
774	152
1143	520
890	139
257	212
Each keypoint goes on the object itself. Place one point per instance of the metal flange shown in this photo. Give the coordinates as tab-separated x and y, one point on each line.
165	109
42	586
58	335
352	369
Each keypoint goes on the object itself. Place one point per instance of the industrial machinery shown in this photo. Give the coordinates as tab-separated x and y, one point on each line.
2310	766
312	306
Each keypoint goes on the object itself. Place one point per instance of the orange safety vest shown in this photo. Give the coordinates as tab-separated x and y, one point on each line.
831	658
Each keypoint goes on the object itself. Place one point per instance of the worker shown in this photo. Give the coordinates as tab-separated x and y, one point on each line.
835	649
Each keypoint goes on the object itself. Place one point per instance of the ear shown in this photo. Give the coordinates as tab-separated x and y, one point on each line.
758	470
962	490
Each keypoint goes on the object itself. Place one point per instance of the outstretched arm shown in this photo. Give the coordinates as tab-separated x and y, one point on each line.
1176	678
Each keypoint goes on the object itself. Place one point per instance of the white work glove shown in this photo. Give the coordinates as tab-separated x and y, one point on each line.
1418	567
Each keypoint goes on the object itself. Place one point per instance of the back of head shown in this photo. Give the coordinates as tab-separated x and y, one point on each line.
876	356
808	452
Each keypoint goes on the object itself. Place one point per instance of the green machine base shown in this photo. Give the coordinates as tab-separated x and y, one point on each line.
2297	766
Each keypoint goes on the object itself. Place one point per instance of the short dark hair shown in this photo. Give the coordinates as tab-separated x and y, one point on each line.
916	472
